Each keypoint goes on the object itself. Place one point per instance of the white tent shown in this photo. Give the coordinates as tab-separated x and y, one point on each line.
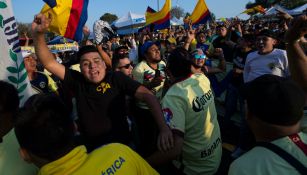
129	23
298	10
273	10
176	22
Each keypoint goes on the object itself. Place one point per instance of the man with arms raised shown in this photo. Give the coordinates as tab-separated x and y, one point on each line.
99	94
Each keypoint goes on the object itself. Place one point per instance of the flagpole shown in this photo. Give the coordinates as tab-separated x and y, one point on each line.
158	5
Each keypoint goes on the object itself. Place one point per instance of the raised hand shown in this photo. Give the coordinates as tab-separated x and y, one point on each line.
40	24
297	30
86	31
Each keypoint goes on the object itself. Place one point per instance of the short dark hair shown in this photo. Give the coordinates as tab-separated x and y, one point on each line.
116	58
275	100
44	127
179	63
86	49
9	100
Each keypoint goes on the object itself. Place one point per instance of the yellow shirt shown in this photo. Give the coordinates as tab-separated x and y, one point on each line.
115	159
189	107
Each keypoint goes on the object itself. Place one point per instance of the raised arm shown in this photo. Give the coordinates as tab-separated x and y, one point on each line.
40	25
296	56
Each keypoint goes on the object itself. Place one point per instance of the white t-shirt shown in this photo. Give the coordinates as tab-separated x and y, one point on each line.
275	63
261	160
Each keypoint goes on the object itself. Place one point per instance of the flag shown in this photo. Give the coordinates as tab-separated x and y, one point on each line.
150	10
160	19
254	10
259	9
12	68
201	13
68	17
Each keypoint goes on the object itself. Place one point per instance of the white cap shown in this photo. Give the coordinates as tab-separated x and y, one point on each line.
25	53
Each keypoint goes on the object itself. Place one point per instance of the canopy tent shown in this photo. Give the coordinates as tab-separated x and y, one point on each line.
129	23
176	22
60	40
273	10
298	10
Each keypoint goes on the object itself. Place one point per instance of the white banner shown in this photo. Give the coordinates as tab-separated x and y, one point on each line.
12	68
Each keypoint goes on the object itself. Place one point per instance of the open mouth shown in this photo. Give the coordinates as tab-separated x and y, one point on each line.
94	73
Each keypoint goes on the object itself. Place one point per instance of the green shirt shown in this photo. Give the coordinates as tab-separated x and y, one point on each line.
261	160
10	161
189	107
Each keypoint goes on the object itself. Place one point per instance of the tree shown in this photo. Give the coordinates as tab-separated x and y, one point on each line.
24	28
292	4
187	15
110	18
285	3
177	11
213	17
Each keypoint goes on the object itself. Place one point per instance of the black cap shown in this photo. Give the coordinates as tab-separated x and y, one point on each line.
275	100
268	33
86	49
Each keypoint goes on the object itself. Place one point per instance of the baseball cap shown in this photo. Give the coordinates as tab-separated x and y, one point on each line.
275	100
172	40
147	45
268	33
25	53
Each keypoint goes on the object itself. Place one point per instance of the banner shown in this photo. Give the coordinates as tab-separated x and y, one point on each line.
160	19
12	68
201	13
55	48
68	17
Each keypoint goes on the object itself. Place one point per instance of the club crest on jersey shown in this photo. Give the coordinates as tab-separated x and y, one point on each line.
168	115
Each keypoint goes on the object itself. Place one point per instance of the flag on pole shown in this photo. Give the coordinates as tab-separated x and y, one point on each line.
201	13
254	10
68	17
160	19
12	68
150	10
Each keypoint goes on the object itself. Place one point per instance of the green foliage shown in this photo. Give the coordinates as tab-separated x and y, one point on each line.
284	3
2	5
24	28
177	11
110	18
213	17
1	21
17	77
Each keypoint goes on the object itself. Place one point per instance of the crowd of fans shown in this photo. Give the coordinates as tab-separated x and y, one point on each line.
146	103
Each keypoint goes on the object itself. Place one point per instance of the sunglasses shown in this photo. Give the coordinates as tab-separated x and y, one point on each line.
199	56
126	66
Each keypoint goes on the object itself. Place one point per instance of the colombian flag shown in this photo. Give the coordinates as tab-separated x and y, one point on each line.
254	10
161	19
68	17
200	14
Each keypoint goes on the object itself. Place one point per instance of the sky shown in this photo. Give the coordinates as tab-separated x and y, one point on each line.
24	10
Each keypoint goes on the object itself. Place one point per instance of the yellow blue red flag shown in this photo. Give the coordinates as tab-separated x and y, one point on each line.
201	13
160	19
68	17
